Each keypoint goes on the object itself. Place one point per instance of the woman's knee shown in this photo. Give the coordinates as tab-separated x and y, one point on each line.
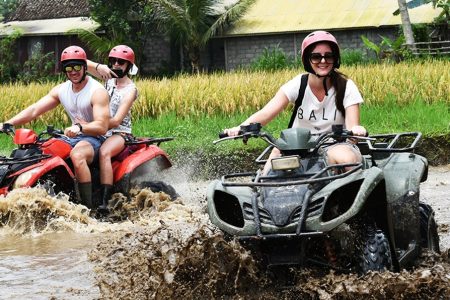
343	154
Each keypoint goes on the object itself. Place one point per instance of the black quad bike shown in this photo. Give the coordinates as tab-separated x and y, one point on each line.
348	217
44	159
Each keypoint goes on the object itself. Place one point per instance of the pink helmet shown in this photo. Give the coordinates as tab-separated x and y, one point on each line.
123	52
73	53
314	38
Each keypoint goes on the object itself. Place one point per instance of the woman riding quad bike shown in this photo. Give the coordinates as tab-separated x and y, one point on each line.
352	217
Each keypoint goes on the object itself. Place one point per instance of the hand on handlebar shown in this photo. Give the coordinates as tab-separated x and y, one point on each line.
358	131
72	131
6	127
234	131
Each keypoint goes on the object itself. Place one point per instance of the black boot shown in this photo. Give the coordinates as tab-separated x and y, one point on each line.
106	190
85	190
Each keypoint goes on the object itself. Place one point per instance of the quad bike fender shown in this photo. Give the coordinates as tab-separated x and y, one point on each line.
144	165
136	159
224	206
403	173
27	177
357	189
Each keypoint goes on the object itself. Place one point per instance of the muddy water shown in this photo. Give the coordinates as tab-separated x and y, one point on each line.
158	249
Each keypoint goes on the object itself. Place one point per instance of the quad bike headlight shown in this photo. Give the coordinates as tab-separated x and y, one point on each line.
286	163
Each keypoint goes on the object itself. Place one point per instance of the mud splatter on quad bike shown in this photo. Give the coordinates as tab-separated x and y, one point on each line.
44	159
348	217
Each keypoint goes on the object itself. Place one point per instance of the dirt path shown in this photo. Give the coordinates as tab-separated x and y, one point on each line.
436	192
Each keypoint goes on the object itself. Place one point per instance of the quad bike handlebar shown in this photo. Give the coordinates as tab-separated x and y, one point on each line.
7	128
338	133
51	131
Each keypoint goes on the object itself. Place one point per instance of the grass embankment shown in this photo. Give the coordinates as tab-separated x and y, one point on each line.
403	97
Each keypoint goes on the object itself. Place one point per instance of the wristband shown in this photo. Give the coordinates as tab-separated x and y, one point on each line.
79	126
96	68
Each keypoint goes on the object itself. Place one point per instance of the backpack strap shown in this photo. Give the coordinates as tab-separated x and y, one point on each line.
301	95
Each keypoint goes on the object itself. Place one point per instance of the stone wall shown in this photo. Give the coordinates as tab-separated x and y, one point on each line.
233	52
157	55
241	51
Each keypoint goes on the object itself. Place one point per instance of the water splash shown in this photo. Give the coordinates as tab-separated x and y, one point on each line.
32	211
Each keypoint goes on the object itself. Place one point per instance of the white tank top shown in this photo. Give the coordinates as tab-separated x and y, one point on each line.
78	105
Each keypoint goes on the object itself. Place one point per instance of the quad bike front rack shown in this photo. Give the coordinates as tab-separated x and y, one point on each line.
390	142
312	179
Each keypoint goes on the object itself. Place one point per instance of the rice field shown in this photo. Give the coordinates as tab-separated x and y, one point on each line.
245	91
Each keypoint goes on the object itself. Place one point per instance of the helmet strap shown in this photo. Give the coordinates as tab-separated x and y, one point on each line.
325	81
84	75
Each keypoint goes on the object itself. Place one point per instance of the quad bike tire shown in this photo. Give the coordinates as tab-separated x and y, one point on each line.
48	185
376	255
428	228
159	186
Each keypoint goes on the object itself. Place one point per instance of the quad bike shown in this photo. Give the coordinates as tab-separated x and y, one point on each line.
348	217
44	159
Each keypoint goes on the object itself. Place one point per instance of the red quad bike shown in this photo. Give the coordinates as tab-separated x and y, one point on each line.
44	159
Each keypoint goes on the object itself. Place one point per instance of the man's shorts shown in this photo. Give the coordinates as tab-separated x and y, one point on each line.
95	141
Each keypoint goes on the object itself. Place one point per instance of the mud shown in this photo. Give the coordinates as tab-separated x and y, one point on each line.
155	248
186	257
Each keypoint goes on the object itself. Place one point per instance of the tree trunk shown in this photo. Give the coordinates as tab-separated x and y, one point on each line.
406	25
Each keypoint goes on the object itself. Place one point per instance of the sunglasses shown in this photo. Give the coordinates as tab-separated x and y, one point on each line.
76	68
316	58
118	61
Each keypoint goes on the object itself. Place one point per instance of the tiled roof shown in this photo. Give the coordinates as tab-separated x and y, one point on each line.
50	9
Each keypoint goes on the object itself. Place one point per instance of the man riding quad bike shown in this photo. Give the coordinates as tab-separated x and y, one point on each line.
43	159
352	217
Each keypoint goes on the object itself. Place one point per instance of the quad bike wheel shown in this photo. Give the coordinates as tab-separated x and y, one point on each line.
48	186
159	186
428	228
376	254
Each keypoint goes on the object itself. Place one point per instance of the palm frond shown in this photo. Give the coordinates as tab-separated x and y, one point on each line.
99	46
171	18
231	14
413	4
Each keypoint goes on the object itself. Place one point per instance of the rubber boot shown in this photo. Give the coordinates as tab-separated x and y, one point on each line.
85	190
106	192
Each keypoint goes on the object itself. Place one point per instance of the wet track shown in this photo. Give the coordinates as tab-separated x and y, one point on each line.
52	249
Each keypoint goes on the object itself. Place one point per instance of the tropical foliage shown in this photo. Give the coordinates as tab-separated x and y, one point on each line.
191	24
387	49
188	24
8	65
7	7
123	22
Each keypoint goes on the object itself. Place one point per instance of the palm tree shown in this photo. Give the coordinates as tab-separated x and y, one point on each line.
192	23
406	24
443	17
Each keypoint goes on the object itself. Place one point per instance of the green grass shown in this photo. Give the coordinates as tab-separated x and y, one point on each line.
198	133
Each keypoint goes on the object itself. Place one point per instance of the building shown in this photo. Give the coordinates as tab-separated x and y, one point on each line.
46	23
268	24
285	23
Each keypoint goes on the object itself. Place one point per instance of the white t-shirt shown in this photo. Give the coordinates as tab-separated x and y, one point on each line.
319	116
